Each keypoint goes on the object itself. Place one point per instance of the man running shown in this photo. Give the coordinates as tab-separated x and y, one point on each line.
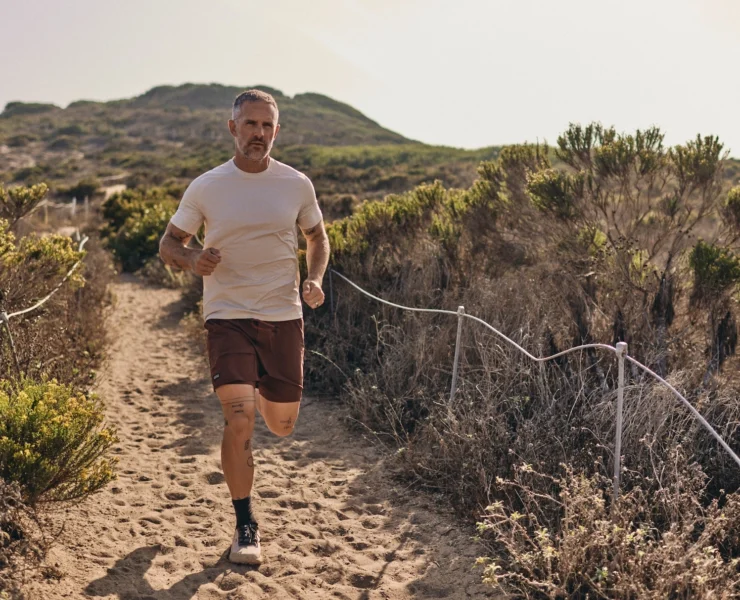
251	304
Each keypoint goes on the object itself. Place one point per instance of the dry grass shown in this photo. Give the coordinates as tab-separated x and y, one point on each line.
553	276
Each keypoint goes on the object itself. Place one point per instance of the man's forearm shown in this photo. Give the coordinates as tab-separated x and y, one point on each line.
176	255
317	257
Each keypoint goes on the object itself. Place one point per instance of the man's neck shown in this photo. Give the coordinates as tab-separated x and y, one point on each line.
251	166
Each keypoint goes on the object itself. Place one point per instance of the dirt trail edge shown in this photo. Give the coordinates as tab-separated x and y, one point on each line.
333	525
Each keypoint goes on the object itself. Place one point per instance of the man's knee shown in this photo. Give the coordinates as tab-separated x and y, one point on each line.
240	425
238	404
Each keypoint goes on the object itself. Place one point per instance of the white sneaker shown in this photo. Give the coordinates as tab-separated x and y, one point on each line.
245	548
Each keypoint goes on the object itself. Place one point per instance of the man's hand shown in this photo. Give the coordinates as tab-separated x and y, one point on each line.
312	293
205	261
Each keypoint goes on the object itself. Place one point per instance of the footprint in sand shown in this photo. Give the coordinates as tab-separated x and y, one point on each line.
215	478
332	527
175	495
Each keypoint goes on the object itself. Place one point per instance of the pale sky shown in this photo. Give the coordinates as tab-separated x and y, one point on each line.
465	73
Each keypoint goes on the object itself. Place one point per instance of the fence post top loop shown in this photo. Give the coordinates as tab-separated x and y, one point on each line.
621	348
460	310
4	317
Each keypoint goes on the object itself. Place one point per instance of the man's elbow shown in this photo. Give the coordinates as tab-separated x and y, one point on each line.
163	249
320	239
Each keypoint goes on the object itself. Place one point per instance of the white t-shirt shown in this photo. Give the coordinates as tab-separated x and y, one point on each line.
251	218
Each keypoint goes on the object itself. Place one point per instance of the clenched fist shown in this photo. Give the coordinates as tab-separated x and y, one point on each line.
205	261
312	293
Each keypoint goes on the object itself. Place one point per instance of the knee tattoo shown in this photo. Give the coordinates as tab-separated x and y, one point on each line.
239	413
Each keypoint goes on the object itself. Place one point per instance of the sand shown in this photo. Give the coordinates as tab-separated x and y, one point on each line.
333	523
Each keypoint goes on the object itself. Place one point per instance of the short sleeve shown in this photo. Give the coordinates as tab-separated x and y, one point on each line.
189	216
310	213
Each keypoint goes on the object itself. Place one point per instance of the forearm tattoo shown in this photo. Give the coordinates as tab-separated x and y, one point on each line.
317	252
173	251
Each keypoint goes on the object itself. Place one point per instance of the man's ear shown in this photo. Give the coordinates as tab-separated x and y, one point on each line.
277	130
232	127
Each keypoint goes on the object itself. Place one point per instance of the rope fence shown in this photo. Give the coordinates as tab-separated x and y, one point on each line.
72	207
5	317
620	350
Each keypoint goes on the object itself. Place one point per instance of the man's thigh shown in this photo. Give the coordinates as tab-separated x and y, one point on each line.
238	402
281	382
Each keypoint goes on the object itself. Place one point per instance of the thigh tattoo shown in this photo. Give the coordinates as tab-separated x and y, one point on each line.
237	406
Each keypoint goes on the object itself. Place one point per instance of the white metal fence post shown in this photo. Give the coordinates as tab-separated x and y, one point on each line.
87	209
621	353
73	207
453	387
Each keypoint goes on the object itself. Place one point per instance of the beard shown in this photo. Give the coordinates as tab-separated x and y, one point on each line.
255	151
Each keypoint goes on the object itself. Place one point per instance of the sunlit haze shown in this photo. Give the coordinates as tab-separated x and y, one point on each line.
466	73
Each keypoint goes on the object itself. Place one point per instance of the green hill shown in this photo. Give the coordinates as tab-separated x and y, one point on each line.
170	134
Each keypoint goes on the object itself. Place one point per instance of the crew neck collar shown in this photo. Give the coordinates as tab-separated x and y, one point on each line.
252	175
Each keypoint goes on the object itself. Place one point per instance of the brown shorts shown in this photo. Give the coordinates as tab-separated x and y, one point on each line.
265	354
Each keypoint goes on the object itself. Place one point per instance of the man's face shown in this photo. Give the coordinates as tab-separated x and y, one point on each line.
254	129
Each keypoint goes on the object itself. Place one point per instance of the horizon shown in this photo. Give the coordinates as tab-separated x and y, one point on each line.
395	63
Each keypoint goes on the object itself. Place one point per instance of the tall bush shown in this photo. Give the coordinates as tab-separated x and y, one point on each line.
135	221
52	441
591	243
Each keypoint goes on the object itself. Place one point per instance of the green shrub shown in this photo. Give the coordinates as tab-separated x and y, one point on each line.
556	192
14	109
85	187
135	221
138	240
732	208
17	201
591	250
383	221
52	441
31	266
21	139
29	175
715	269
63	142
73	129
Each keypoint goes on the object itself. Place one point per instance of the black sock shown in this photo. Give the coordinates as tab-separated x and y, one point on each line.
243	510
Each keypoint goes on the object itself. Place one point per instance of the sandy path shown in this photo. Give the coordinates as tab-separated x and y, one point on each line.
333	525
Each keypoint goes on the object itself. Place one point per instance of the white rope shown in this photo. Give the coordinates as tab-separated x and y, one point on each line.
693	410
54	291
467	316
688	404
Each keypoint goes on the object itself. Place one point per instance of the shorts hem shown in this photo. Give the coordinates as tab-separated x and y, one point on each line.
280	400
218	383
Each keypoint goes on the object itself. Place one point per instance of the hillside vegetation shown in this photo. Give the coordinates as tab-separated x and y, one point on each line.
626	240
170	135
53	442
606	237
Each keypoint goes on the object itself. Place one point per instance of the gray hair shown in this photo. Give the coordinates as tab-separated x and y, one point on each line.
253	96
